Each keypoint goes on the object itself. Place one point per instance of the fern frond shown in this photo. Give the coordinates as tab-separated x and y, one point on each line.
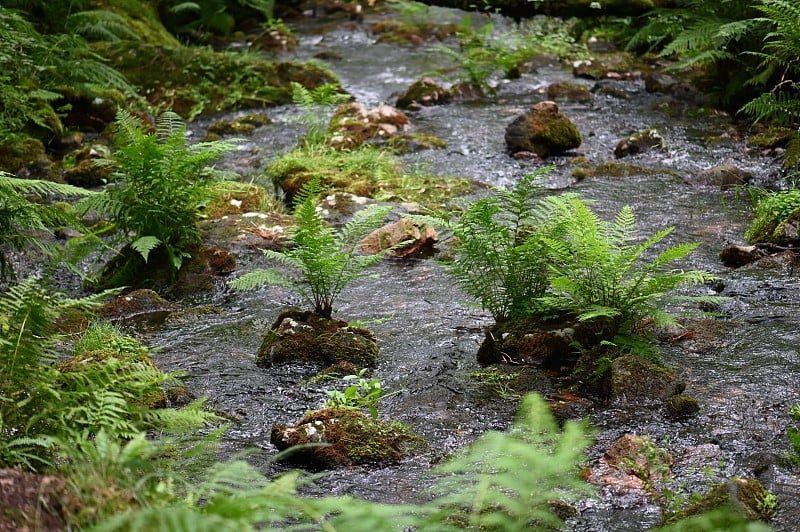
258	279
101	25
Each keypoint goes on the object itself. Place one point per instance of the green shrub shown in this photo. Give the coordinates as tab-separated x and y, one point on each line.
160	185
521	255
325	259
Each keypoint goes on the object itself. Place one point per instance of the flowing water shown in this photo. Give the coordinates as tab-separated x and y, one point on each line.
746	378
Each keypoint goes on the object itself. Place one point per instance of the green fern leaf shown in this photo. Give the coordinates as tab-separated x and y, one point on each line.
144	245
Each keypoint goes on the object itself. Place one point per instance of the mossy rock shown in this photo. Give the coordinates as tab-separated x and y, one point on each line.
530	340
422	93
197	81
542	130
682	405
636	380
307	336
415	141
601	65
771	137
349	438
87	174
151	397
231	197
640	142
745	497
18	153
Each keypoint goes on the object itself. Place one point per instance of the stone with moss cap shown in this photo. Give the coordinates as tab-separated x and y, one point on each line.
542	130
352	438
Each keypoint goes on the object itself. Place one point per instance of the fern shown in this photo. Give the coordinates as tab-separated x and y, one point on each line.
507	481
316	105
599	274
772	211
324	259
160	185
21	219
499	258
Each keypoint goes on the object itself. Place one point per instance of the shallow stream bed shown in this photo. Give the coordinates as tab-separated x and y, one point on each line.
745	379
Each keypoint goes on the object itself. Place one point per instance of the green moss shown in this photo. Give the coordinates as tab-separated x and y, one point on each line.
744	496
20	151
199	81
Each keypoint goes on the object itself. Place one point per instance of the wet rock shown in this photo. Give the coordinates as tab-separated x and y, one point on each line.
723	176
770	137
348	438
682	405
138	304
632	463
352	125
423	92
204	271
529	341
417	237
87	174
614	65
308	336
640	142
24	157
229	197
34	502
467	92
736	256
636	381
744	496
568	91
542	130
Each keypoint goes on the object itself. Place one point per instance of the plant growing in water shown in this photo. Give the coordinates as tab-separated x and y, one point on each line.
160	185
499	255
325	259
600	274
366	393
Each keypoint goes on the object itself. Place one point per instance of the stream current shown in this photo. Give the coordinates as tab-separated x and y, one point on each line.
746	379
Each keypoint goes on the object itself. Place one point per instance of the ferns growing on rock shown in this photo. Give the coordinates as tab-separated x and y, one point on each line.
326	260
160	185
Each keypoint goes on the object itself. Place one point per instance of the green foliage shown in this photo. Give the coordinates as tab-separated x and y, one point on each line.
316	105
485	52
326	259
21	218
35	67
160	185
772	210
520	255
794	432
214	16
600	274
366	393
504	481
508	481
499	256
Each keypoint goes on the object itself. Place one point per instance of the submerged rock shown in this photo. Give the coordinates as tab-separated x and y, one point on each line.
310	337
723	176
631	463
542	130
342	437
635	380
640	142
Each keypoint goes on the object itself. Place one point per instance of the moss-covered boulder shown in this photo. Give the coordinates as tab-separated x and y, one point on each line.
24	157
352	124
307	336
720	176
542	130
199	81
745	497
348	438
423	92
640	142
637	381
613	65
528	340
682	405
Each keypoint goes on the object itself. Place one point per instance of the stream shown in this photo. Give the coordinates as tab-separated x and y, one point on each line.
745	379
